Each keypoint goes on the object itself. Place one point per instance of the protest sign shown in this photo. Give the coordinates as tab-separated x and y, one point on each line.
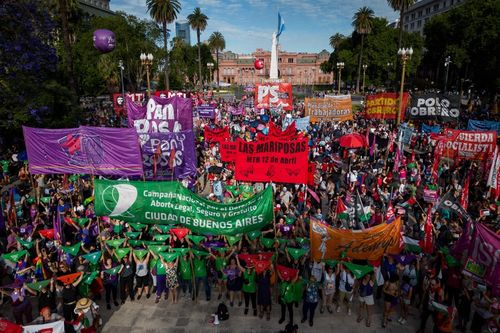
90	150
336	108
272	160
370	244
172	203
302	123
468	144
206	111
449	202
157	156
55	327
274	95
384	106
434	107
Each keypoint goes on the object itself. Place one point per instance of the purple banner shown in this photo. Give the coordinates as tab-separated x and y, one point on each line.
485	250
206	111
161	115
91	150
236	111
156	150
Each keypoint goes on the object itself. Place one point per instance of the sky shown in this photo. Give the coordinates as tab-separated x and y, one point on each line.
249	24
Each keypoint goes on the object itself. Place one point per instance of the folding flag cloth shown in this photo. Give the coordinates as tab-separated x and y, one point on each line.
163	228
140	253
70	221
247	258
289	221
404	259
89	277
45	200
181	250
38	285
157	248
133	234
39	271
261	265
115	242
331	263
411	245
233	239
267	242
169	257
264	255
161	237
297	253
14	256
180	233
214	243
196	239
114	270
69	278
24	243
252	235
358	270
287	274
47	233
301	240
441	308
152	243
88	200
362	212
136	242
200	253
120	253
73	249
408	203
341	210
82	221
93	257
137	226
9	327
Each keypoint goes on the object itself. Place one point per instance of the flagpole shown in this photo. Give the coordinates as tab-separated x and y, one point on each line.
362	208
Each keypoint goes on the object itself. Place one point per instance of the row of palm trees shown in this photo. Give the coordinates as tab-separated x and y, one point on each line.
165	12
363	24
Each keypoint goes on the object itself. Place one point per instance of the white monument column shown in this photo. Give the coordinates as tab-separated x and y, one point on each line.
273	72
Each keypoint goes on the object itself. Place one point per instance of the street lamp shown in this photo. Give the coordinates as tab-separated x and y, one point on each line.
210	66
405	56
147	60
365	66
340	65
447	63
389	67
120	65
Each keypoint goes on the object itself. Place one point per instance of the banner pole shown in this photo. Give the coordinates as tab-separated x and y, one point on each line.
193	278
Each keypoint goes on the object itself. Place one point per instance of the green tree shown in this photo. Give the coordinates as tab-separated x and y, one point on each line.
164	12
363	23
335	40
198	21
400	6
217	43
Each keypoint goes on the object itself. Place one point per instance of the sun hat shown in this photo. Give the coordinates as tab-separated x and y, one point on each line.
83	304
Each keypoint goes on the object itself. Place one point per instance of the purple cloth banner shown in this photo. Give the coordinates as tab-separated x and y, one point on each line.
157	148
236	111
484	250
91	150
161	115
206	111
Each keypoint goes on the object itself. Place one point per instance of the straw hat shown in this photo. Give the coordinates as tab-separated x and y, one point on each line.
83	304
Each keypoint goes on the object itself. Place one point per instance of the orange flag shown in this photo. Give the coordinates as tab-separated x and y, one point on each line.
370	244
70	278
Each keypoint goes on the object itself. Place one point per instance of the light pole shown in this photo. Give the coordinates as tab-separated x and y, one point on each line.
447	63
340	65
210	66
405	56
389	67
365	66
120	65
147	60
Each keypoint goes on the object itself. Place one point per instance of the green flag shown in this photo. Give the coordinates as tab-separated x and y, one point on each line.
451	261
330	262
161	237
135	242
140	253
45	200
358	270
93	257
282	241
267	242
169	256
31	200
221	249
133	234
233	239
25	243
196	239
200	253
88	200
137	226
164	228
38	285
114	270
120	253
158	248
289	221
72	249
233	189
302	241
172	203
89	277
82	221
296	253
115	242
181	250
14	256
252	235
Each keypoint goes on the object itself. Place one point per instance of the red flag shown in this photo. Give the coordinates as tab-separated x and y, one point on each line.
179	232
287	273
48	233
261	265
70	221
389	215
9	327
438	151
70	278
464	200
426	244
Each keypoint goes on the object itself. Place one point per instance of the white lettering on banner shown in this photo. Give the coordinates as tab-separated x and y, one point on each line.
476	137
434	107
485	254
157	118
469	147
265	90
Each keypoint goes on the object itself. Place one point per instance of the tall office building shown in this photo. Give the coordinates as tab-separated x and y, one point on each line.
183	31
417	15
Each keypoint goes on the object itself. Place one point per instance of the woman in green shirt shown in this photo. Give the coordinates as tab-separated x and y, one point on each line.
249	287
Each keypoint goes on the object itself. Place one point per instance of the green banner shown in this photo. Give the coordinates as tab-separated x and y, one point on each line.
172	203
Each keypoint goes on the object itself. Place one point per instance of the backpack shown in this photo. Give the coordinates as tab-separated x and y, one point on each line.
222	312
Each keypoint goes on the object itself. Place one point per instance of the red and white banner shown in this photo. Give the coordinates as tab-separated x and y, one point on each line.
274	95
494	176
56	327
272	161
470	145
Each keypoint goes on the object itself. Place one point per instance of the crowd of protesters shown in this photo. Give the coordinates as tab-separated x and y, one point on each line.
213	267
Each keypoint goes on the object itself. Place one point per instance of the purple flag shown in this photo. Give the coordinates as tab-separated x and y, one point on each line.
157	147
404	259
160	115
91	150
206	111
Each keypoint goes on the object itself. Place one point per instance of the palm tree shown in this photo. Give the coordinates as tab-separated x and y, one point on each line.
401	6
198	21
164	12
335	40
363	23
217	42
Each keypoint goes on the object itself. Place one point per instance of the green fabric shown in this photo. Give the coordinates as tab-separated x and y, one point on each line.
302	241
164	228
289	221
82	221
233	239
233	189
181	250
14	256
196	239
73	249
170	202
221	249
24	243
169	256
135	242
114	270
120	253
254	235
118	228
297	290
158	248
160	268
45	200
251	286
31	200
451	261
358	270
185	269
282	241
137	226
267	242
297	253
38	285
115	242
140	254
88	200
331	263
93	257
286	292
161	237
89	277
200	268
133	234
200	253
220	263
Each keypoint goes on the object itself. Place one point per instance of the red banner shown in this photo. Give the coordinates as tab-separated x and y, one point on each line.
274	95
228	151
472	145
384	106
272	160
311	171
216	134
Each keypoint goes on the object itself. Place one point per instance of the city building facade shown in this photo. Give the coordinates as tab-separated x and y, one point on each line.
95	7
294	67
417	15
183	31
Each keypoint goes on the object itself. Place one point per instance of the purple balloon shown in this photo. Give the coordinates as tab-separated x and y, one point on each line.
104	40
